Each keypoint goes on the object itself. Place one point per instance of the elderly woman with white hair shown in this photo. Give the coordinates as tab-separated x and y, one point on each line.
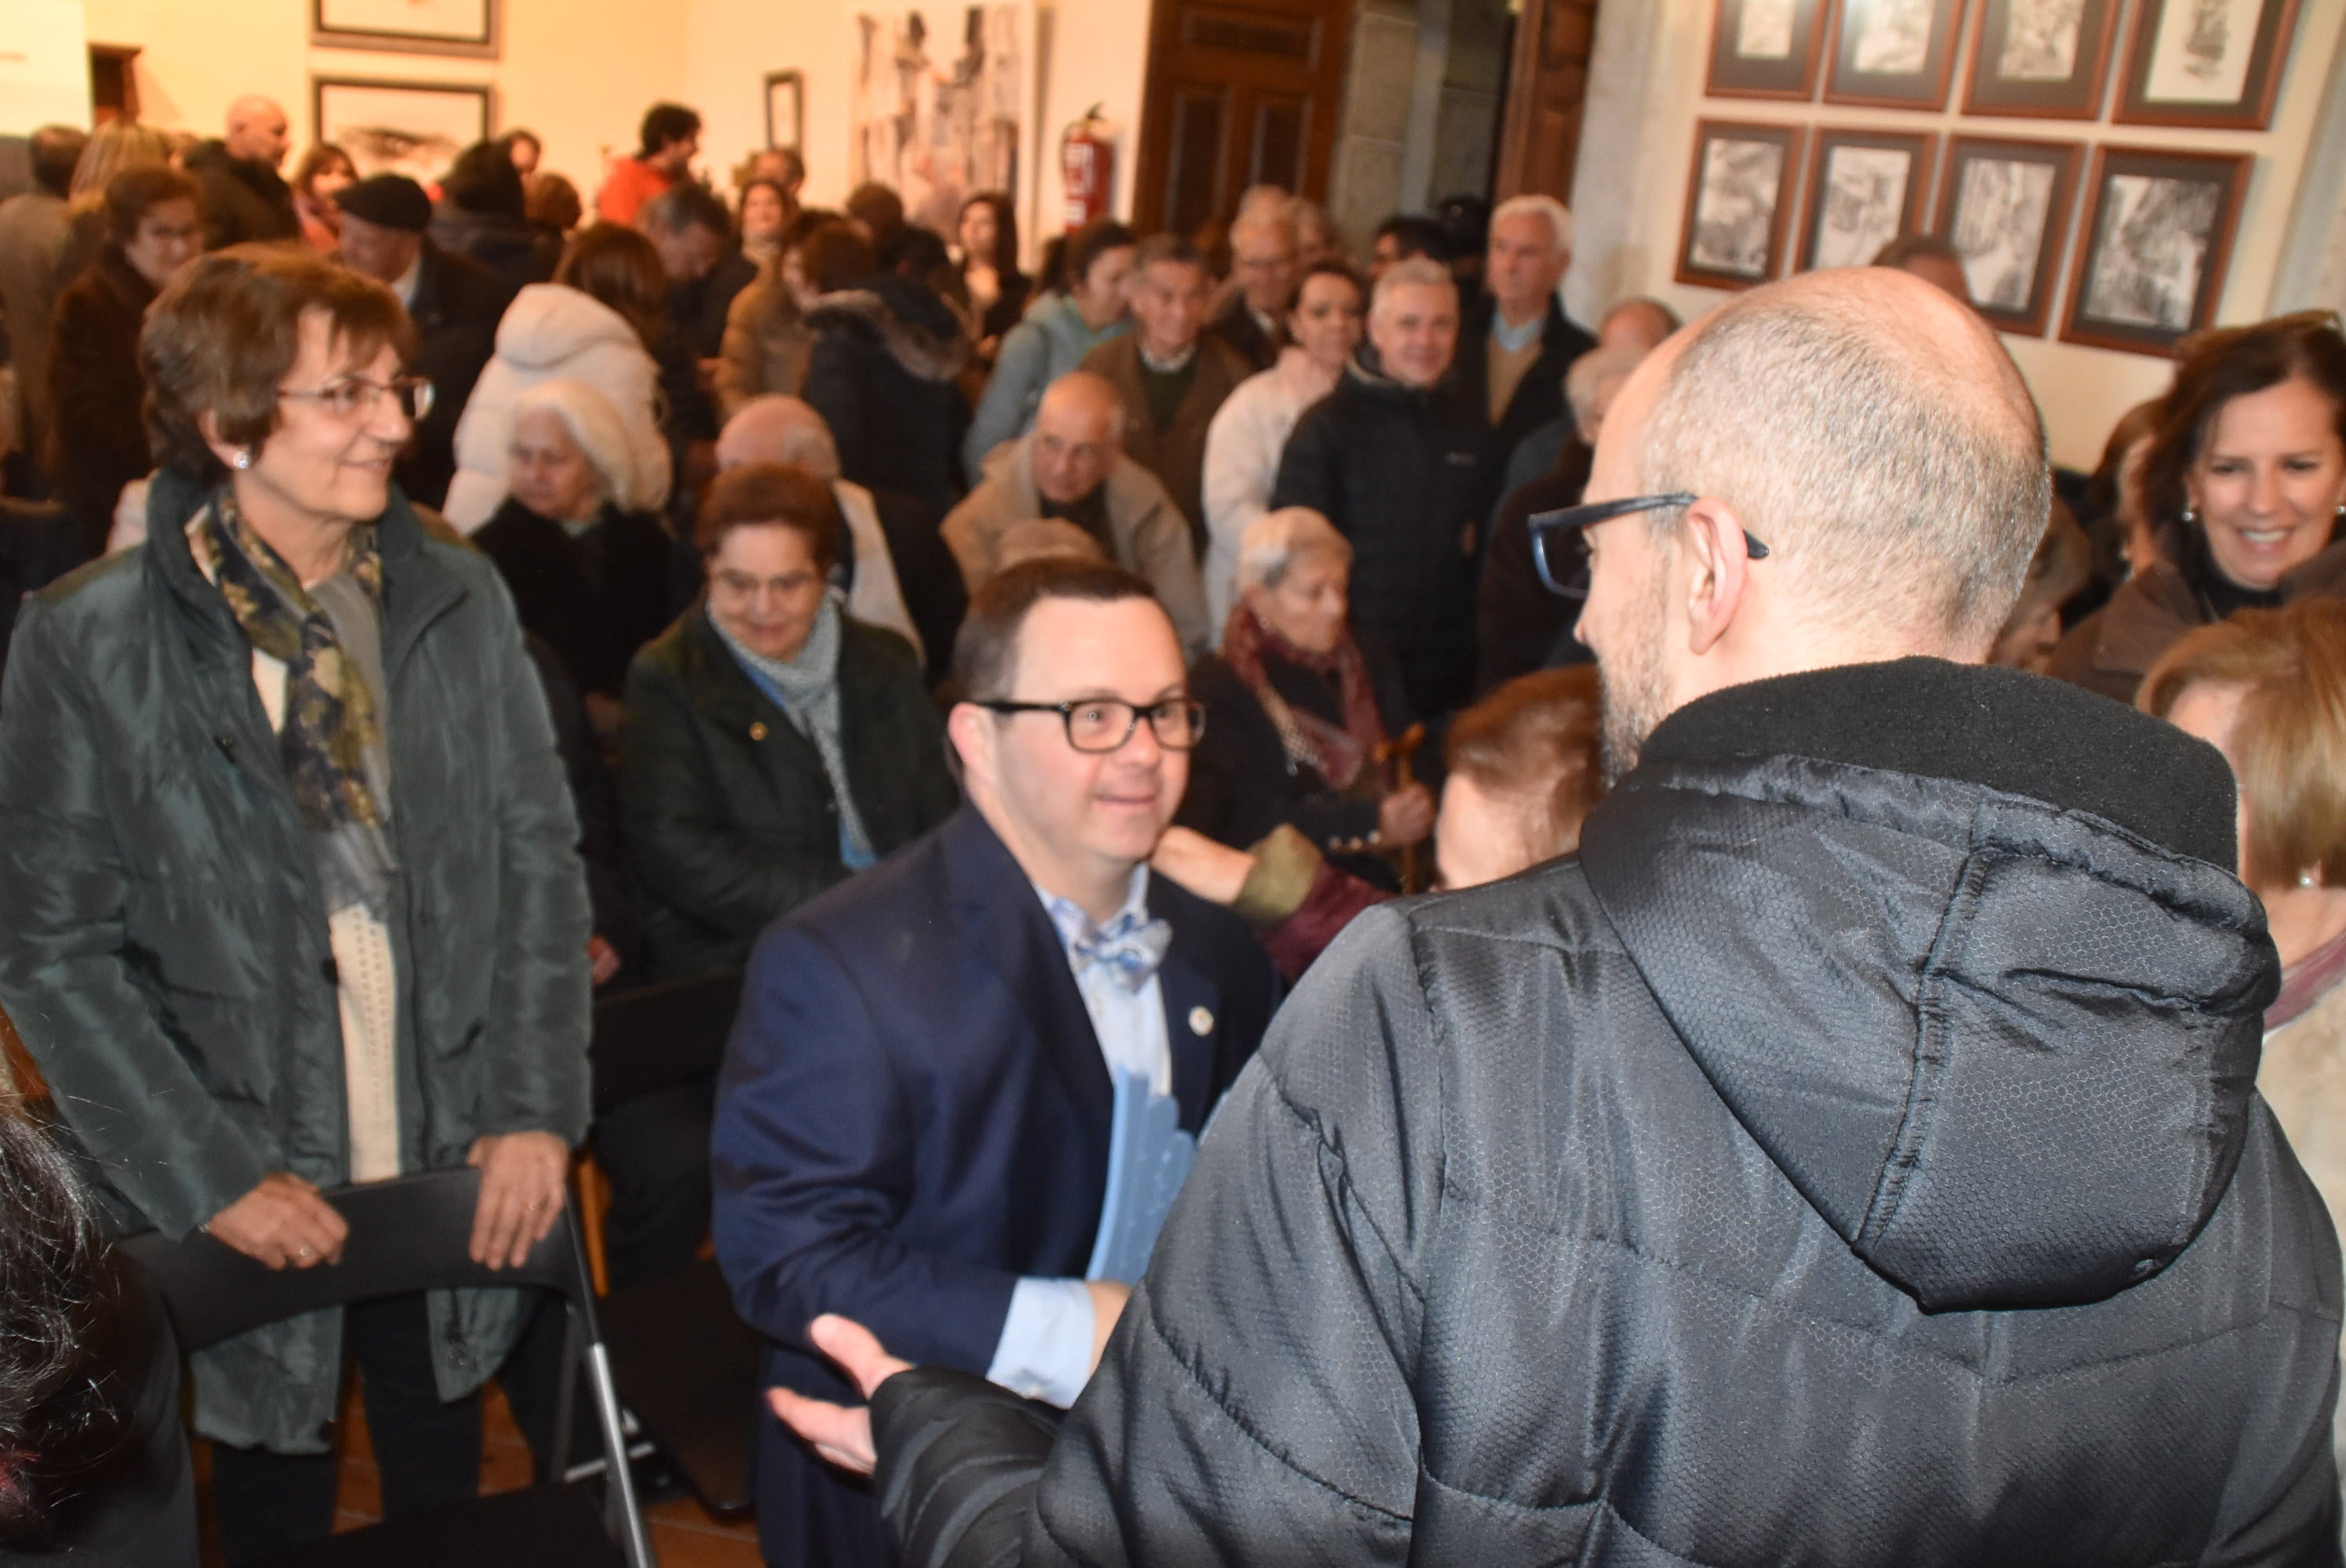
1519	624
588	565
1299	710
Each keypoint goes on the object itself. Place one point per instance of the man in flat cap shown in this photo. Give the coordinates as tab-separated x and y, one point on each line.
457	304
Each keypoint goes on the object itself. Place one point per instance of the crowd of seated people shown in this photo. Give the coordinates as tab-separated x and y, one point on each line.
517	599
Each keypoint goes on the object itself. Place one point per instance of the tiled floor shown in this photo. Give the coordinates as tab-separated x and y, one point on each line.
683	1535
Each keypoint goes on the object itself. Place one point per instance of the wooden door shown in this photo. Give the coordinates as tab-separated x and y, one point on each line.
1240	93
1547	87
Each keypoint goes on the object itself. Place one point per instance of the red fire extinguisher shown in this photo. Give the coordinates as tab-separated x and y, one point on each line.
1087	168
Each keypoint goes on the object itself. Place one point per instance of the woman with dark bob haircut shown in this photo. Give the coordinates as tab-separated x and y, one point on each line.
291	872
2243	486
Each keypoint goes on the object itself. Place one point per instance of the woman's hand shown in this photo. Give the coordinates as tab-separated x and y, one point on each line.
1214	872
602	960
521	1193
1406	816
283	1221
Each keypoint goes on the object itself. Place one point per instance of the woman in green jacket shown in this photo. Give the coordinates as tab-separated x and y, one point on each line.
290	868
772	746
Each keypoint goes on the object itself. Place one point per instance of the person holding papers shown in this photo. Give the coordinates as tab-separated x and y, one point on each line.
965	1087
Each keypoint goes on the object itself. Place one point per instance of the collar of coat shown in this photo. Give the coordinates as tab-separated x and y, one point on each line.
2004	729
416	587
927	351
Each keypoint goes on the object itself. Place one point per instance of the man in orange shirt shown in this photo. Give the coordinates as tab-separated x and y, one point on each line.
671	138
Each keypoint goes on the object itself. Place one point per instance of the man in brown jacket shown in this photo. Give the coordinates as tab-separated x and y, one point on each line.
1073	466
1170	373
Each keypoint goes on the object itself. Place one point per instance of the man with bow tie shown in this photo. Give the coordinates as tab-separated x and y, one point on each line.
966	1085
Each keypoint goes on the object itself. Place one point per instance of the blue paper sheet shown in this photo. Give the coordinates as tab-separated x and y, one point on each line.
1149	1159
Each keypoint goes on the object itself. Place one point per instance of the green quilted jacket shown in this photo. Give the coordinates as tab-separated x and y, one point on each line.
163	949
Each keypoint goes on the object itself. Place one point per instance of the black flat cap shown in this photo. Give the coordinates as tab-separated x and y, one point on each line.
393	200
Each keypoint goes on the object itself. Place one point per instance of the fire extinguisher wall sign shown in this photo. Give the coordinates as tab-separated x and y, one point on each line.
1087	168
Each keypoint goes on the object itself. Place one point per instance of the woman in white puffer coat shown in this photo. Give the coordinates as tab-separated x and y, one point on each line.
595	323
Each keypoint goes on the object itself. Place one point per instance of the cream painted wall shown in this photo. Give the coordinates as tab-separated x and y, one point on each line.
1647	95
577	72
1090	51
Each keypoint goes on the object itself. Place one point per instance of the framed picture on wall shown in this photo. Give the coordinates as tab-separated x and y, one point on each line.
1765	49
411	26
2158	237
2211	63
785	109
415	128
1866	190
1894	54
2004	206
2045	60
1738	200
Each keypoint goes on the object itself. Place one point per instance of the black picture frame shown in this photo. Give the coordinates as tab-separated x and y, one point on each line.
788	86
2010	223
448	117
1879	64
1737	26
2154	245
1830	198
2156	63
333	26
1734	230
2016	66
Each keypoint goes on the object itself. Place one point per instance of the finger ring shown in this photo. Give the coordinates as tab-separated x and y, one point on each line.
535	1205
301	1251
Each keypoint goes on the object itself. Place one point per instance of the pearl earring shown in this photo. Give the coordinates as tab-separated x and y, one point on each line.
2191	516
243	457
2305	879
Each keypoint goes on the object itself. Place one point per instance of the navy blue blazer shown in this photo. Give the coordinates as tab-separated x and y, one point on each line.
913	1111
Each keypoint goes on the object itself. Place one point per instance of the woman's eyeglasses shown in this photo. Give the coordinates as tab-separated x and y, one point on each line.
1565	572
355	398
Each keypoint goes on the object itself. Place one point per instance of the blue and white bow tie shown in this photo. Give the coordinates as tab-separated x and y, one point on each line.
1130	946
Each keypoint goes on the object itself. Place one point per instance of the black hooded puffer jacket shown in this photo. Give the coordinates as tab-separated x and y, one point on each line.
1852	1159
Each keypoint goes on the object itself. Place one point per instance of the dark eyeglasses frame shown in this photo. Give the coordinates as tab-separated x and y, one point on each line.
1547	526
1155	711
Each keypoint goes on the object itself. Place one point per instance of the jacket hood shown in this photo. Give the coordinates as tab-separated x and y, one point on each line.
550	322
919	330
1960	950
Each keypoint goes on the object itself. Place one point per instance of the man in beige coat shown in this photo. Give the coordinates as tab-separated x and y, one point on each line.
1073	466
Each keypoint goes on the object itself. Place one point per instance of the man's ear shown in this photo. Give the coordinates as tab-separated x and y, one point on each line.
971	732
1719	580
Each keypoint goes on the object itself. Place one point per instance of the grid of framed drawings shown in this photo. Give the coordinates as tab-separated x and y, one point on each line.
2131	242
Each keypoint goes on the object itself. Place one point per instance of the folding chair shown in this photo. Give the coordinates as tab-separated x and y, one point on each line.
685	1363
408	1235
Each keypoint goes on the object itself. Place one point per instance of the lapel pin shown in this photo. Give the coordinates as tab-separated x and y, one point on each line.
757	729
1201	1020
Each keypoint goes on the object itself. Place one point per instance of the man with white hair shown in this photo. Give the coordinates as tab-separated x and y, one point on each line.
1073	466
1263	273
1851	1155
776	429
1517	341
236	183
1401	463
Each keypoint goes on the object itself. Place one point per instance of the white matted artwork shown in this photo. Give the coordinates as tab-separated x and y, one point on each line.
941	104
1893	37
2040	41
415	128
1738	201
2201	50
1866	190
1764	31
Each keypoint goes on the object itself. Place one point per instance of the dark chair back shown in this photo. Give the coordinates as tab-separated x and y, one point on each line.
649	1038
406	1235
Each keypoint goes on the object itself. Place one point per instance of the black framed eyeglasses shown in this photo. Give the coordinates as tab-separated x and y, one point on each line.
1102	724
355	398
1566	575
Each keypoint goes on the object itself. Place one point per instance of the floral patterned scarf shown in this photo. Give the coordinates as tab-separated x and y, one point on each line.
332	728
1338	754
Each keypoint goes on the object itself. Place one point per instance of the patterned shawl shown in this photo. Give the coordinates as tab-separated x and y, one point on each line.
1338	754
